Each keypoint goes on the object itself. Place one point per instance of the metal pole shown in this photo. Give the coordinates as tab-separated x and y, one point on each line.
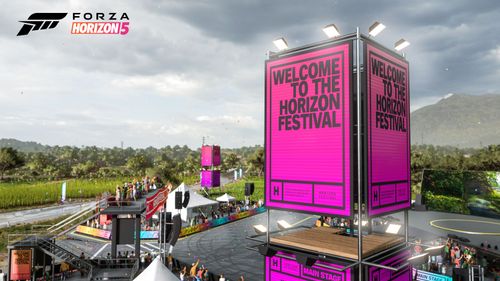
360	213
165	231
267	226
406	225
159	235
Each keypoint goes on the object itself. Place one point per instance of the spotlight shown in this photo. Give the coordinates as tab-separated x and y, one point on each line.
331	31
401	44
376	28
282	224
260	229
281	44
266	251
305	260
393	228
419	259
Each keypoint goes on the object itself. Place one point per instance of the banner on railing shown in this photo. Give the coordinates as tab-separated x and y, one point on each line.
20	264
101	233
154	202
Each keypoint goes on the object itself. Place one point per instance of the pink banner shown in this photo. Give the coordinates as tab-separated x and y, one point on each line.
388	131
210	179
308	131
287	269
154	202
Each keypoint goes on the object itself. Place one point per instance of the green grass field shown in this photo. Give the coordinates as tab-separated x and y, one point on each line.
237	189
15	195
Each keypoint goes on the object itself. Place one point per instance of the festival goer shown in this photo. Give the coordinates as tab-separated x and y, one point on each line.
194	266
182	274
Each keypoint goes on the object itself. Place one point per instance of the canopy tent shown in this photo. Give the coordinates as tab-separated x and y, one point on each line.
156	271
196	201
226	198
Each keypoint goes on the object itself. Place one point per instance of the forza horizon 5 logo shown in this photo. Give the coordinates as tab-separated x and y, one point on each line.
83	23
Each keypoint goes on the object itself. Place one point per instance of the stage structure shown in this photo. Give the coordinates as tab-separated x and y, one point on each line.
210	162
337	144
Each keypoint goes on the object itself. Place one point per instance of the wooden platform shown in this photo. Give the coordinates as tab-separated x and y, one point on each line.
329	241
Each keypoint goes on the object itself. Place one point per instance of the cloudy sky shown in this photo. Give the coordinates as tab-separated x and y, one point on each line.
189	69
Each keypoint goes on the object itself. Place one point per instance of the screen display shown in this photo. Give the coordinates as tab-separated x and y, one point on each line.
388	131
308	131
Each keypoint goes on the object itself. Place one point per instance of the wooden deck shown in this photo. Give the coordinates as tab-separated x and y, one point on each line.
328	241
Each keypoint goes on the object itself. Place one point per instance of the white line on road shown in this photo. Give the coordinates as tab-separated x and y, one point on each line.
98	252
151	245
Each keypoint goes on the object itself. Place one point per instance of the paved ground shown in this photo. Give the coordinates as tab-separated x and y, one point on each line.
40	214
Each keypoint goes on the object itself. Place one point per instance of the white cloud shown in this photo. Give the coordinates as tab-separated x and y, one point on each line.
224	120
164	84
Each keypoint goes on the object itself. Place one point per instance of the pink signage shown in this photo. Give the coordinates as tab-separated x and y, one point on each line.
210	178
388	131
380	274
287	269
308	131
210	155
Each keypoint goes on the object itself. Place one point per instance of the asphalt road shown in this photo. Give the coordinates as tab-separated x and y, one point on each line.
40	214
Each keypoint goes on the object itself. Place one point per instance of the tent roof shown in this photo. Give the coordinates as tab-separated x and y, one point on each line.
225	198
195	200
156	271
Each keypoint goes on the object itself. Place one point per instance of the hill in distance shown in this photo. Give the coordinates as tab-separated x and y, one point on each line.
23	146
458	120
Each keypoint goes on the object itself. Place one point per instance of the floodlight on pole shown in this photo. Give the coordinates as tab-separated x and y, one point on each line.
260	229
393	228
376	28
401	44
331	31
282	224
280	43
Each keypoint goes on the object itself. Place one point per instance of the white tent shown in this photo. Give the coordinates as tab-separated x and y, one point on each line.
196	201
226	198
156	271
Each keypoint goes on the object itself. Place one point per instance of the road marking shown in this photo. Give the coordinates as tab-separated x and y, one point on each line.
150	245
98	252
434	224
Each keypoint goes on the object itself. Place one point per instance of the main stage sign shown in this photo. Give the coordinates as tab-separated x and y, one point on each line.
279	268
308	131
387	131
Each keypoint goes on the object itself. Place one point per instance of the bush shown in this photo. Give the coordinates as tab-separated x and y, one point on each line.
445	203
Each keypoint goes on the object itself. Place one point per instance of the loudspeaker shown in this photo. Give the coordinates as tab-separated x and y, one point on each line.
186	199
249	188
305	260
176	229
266	251
166	218
178	200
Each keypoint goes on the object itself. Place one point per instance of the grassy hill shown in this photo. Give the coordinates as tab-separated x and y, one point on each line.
459	120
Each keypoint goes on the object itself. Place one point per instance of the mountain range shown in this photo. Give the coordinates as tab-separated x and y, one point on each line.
458	120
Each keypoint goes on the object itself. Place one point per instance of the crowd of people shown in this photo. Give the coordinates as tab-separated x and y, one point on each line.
131	191
198	272
455	254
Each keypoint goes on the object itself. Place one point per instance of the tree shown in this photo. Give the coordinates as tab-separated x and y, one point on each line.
9	159
138	163
256	162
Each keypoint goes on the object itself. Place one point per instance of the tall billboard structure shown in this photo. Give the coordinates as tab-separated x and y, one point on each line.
337	144
309	131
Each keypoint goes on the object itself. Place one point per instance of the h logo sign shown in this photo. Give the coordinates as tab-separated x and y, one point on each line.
276	190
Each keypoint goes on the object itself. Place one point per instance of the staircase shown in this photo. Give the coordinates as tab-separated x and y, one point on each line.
56	251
